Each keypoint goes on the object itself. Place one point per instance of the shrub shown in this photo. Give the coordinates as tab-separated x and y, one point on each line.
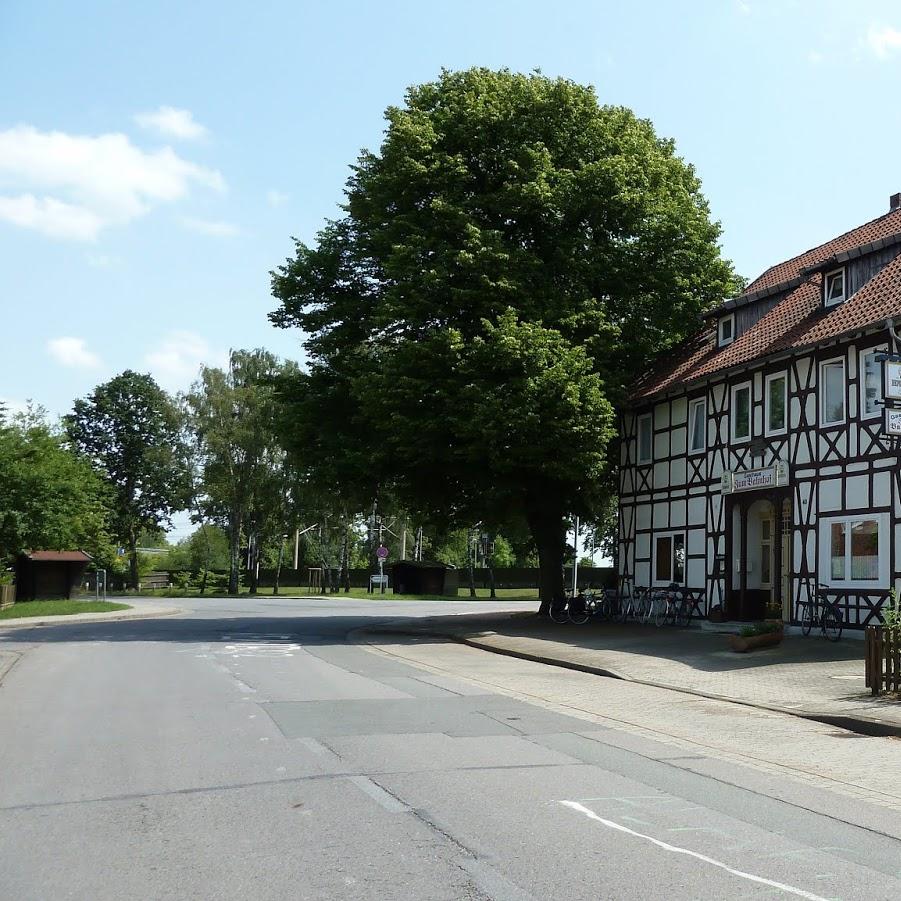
760	629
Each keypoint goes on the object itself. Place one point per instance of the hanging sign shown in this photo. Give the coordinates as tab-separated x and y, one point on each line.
893	379
892	421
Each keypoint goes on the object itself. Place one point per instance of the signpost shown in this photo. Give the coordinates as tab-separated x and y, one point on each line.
892	421
382	554
891	393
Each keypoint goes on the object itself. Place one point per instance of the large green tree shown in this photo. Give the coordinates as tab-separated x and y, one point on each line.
507	263
130	431
49	498
245	482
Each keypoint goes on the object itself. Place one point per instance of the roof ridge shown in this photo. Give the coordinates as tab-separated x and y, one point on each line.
816	247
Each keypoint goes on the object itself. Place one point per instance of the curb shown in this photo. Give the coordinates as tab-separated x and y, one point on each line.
30	622
861	725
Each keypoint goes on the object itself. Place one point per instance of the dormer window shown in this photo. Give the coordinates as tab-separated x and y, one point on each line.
726	330
834	287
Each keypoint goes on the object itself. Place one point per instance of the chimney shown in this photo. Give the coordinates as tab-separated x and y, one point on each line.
894	203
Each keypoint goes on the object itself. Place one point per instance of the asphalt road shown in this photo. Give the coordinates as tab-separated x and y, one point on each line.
257	749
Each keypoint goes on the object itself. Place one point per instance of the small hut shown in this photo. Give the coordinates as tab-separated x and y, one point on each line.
49	574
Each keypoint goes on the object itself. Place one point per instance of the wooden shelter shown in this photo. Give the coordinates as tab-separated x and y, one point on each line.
49	574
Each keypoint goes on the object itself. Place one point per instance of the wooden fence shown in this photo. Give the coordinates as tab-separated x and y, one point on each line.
883	659
7	596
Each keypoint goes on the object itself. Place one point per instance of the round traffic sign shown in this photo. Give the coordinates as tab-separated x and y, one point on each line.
382	552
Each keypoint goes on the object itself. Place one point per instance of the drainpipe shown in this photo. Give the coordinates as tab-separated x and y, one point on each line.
896	339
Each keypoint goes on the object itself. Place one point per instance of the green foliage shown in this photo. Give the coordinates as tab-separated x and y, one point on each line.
506	265
205	548
130	431
891	613
49	498
245	480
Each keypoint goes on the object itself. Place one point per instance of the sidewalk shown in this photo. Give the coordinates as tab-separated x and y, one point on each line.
140	609
807	677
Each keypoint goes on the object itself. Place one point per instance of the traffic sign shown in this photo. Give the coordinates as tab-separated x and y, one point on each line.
382	552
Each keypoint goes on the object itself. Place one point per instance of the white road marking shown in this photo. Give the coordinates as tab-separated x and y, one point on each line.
675	849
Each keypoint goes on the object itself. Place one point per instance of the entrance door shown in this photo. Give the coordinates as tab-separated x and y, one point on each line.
786	561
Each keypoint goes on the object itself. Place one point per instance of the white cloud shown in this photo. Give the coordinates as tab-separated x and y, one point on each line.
51	216
276	198
177	359
172	123
883	40
72	352
104	180
212	227
743	7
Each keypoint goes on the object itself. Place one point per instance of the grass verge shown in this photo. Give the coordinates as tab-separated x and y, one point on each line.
58	608
359	594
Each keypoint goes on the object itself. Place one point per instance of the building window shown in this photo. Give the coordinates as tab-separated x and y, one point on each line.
697	425
832	392
726	330
741	412
669	558
854	551
776	403
871	383
645	438
834	287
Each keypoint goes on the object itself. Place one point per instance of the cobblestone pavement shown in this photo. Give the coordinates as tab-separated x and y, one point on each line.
717	736
805	676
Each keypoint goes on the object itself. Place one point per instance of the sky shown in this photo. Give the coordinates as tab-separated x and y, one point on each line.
156	159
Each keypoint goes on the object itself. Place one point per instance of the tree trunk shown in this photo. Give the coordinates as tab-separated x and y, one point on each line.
470	557
278	568
254	558
234	551
206	557
490	564
345	571
549	532
133	559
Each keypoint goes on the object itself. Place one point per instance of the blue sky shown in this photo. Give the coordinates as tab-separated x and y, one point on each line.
156	158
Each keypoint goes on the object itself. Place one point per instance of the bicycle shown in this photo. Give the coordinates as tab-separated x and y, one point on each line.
570	609
675	609
824	612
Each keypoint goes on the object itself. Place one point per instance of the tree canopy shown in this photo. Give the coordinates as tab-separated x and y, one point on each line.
49	498
505	266
129	429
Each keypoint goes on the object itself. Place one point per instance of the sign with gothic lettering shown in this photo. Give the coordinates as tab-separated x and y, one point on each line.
773	476
892	421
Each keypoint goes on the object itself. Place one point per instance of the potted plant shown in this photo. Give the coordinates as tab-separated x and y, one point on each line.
757	635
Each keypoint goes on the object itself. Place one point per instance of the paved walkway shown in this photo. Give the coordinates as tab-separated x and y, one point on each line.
808	677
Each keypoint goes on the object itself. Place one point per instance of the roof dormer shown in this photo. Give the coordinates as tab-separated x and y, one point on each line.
725	329
835	289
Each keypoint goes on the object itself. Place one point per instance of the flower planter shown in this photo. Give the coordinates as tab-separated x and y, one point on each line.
743	643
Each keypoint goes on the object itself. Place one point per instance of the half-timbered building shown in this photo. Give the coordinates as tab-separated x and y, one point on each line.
755	462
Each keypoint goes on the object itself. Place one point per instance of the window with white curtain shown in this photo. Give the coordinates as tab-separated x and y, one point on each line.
832	392
697	425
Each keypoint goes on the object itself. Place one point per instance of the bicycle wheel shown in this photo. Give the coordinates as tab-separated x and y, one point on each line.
558	612
659	611
832	623
578	611
807	618
683	613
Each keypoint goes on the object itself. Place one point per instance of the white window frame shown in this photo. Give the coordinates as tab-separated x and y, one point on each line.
824	526
720	340
772	377
672	534
822	392
838	300
697	403
644	461
732	420
872	351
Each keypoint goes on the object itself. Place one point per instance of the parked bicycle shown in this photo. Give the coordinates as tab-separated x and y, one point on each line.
673	608
823	611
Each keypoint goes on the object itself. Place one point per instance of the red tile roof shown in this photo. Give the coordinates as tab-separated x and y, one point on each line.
59	556
884	227
798	320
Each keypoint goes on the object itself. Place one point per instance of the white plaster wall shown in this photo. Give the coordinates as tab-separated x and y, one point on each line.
830	494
